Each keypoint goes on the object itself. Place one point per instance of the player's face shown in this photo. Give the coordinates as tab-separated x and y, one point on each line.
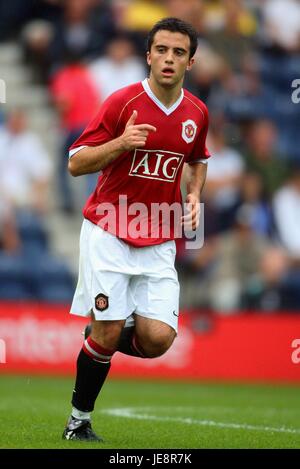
169	58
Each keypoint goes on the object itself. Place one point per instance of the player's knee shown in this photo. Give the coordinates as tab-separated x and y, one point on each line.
155	345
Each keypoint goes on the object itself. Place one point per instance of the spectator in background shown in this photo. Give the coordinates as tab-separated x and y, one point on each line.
84	29
237	257
234	38
191	11
261	155
216	15
270	289
25	169
223	179
139	15
281	21
286	205
252	194
14	13
118	68
76	99
208	72
9	236
136	17
36	39
222	274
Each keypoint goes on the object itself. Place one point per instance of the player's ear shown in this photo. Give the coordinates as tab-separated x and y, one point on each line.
148	58
190	64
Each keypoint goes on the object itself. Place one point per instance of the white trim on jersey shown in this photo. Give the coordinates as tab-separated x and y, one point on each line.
166	110
75	150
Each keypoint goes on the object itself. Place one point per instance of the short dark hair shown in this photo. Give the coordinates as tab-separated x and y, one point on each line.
175	25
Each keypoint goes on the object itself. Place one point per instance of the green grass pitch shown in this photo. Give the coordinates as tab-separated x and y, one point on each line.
145	414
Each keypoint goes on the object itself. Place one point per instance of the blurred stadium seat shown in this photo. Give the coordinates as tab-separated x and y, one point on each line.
32	231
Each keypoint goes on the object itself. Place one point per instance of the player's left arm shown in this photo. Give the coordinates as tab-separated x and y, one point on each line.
197	163
195	186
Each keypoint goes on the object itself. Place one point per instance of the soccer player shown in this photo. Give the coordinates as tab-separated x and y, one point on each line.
139	141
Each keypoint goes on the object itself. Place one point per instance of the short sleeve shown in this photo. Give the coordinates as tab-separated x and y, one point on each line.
200	153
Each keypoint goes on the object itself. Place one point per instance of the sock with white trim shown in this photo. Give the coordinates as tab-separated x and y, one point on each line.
79	415
93	364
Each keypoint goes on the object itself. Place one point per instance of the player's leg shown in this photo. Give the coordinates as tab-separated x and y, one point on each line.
157	301
156	296
153	337
102	289
155	320
93	364
149	338
126	343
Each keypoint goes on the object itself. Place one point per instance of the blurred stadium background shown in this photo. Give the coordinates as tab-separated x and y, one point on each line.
240	293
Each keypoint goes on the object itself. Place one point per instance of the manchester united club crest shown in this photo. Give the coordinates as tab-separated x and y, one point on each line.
101	302
189	129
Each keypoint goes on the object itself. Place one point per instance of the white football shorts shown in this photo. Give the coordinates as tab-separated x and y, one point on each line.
116	279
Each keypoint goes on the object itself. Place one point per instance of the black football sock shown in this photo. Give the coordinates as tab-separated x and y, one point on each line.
91	374
128	343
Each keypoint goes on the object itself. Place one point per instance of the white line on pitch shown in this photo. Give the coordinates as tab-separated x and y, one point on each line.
133	413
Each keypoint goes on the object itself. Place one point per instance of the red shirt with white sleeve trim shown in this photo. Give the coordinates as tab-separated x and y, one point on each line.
149	175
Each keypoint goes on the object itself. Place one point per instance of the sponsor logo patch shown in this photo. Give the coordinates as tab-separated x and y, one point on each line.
101	302
189	129
156	164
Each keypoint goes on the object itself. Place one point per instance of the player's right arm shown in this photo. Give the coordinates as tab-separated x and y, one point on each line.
96	158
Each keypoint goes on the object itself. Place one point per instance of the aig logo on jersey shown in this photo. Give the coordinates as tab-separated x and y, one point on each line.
189	129
156	164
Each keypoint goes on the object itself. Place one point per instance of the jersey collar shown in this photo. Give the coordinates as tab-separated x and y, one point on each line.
166	110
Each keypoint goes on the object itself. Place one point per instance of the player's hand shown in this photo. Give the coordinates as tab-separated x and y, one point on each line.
135	136
190	220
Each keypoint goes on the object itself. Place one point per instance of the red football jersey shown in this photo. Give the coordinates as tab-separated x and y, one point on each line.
137	181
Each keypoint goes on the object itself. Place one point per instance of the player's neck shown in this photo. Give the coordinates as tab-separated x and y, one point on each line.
167	96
